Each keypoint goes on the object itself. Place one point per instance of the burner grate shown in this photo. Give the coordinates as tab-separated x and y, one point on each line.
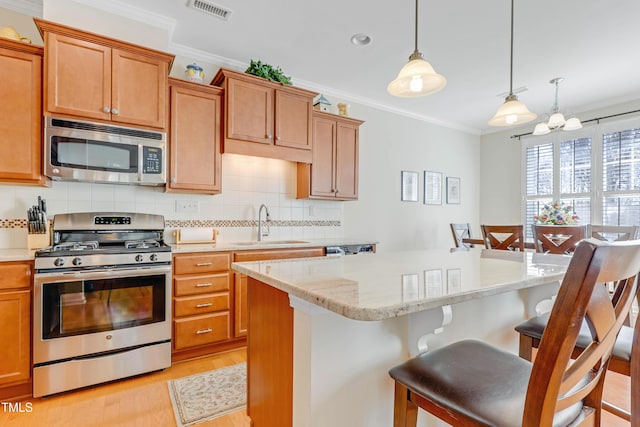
141	244
76	246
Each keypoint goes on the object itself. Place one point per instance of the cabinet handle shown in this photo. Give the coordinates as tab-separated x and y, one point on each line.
173	180
106	109
202	285
269	136
203	264
203	305
204	331
277	138
114	111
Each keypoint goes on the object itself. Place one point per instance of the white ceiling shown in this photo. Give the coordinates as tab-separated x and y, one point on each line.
593	44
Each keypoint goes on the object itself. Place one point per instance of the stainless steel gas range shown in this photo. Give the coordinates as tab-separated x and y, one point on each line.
102	301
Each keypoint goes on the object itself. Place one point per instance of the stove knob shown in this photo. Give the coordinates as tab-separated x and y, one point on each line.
139	258
77	261
153	257
58	262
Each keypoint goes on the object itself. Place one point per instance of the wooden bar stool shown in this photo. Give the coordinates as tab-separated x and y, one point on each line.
462	236
557	239
470	383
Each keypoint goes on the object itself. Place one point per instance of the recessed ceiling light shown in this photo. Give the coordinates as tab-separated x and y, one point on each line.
360	39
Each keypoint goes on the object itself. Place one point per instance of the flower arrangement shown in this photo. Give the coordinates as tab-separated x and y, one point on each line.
556	213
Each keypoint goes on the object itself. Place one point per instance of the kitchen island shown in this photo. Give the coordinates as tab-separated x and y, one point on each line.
323	332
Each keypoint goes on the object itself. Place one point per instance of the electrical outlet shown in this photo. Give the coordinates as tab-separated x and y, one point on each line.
187	206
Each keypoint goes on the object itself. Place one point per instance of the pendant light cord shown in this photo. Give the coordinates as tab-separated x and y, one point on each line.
416	33
511	61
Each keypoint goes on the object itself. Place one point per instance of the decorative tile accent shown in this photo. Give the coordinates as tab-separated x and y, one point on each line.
248	223
174	223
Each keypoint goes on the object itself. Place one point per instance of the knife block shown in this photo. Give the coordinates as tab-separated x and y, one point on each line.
38	241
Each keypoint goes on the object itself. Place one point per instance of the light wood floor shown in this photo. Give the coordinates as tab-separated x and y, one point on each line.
144	401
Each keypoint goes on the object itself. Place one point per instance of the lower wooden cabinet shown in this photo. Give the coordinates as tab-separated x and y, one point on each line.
202	309
241	319
15	329
210	300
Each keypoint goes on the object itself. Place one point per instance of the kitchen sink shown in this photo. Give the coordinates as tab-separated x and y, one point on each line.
268	242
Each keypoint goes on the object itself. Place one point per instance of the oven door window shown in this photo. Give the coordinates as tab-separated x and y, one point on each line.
94	155
86	306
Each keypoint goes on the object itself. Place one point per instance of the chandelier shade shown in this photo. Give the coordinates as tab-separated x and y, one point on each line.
512	112
417	77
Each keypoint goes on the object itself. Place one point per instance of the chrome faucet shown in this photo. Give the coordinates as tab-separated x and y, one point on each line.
267	218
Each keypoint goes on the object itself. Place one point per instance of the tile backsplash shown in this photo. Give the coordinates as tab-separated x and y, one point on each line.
247	182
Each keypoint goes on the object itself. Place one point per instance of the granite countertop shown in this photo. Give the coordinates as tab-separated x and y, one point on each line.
267	244
384	285
16	255
26	254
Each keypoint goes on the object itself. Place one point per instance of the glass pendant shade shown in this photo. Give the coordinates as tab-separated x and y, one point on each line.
416	78
556	120
541	129
512	112
572	124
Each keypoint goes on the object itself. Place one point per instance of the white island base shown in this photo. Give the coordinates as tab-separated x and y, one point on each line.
338	367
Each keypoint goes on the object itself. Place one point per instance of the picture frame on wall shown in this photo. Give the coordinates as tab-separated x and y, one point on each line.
409	186
453	190
432	188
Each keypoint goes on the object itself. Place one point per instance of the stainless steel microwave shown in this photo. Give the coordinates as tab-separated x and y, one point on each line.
96	152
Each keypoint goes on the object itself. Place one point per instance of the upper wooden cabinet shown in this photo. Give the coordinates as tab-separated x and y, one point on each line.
99	78
194	137
264	118
333	173
20	113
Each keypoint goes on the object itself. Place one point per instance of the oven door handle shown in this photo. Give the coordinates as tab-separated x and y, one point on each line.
100	274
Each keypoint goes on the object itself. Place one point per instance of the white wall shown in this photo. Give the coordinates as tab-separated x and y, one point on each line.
501	173
391	143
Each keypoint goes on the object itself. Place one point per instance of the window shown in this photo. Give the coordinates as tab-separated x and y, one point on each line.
597	172
572	158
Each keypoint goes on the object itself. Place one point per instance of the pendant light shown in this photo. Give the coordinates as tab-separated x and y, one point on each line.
417	77
512	112
557	120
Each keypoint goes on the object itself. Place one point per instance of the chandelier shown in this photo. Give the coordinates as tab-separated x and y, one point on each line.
556	119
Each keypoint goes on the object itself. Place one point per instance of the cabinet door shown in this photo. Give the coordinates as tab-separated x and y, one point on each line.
346	165
322	168
194	153
78	77
249	112
293	120
20	117
15	340
139	89
241	319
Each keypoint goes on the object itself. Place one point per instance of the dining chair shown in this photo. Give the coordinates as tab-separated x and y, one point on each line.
503	237
462	236
470	383
613	233
557	239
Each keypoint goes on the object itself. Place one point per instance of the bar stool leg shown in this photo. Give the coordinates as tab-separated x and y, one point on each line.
405	412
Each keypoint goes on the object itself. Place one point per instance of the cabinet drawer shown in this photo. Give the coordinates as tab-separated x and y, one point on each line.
201	263
200	304
15	275
205	284
200	330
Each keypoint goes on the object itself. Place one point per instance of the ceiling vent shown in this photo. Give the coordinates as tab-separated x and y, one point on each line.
211	9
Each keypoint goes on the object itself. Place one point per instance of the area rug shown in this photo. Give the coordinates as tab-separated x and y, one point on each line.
208	395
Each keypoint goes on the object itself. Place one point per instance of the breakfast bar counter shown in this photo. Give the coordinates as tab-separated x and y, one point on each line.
323	332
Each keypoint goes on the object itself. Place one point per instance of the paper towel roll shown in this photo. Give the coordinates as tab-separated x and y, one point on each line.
205	234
